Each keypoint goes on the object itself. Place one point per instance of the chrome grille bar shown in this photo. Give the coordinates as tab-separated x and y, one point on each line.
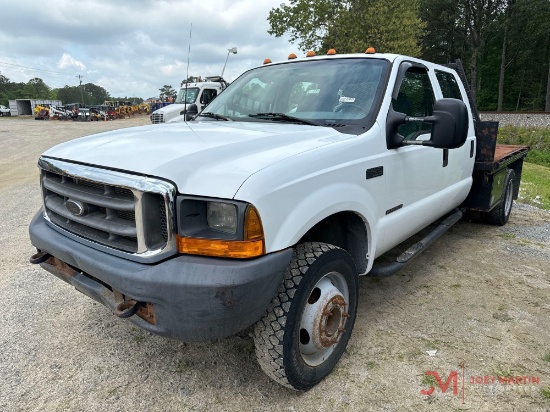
132	214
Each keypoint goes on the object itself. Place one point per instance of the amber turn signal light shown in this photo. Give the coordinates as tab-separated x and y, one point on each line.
252	246
240	249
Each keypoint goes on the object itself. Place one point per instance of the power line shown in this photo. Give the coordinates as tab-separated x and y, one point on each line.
33	68
99	84
20	67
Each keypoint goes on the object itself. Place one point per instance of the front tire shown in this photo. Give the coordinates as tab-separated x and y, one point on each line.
308	323
501	213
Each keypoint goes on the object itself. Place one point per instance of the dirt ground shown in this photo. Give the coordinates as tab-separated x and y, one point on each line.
478	297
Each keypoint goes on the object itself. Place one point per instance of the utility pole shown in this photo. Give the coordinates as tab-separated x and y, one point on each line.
81	92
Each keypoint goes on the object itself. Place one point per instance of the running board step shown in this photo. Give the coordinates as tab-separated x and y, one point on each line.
406	257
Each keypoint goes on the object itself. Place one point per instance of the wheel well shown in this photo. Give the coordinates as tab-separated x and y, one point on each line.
345	230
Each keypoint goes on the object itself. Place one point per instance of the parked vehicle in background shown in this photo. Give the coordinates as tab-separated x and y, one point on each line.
191	99
267	207
4	111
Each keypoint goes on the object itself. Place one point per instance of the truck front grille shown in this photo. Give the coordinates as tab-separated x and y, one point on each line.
132	214
157	118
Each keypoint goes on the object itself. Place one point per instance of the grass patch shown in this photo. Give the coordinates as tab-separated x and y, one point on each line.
371	365
546	357
139	339
502	316
455	286
183	365
503	372
545	393
429	380
507	235
432	344
535	179
535	186
537	138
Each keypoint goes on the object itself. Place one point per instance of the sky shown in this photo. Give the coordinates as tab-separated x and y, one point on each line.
134	47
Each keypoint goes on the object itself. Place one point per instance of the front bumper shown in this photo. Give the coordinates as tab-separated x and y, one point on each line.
193	298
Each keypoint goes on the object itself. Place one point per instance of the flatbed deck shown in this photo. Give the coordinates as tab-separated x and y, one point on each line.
504	155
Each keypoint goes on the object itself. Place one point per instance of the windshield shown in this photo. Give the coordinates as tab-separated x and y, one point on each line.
327	92
187	95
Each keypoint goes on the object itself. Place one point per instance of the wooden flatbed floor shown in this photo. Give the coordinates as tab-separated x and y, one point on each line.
504	150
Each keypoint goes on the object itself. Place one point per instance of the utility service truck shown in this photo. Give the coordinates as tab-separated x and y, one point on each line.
191	99
267	208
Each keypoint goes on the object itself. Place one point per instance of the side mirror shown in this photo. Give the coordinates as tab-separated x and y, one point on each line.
449	126
190	112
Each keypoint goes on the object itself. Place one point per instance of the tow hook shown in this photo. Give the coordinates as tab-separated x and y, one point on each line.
39	257
128	308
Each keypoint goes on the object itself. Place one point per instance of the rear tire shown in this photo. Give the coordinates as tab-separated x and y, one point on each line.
501	213
308	323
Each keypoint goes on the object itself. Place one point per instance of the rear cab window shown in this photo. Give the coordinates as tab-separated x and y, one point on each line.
448	84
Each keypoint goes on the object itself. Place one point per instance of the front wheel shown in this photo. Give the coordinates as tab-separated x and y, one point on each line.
308	323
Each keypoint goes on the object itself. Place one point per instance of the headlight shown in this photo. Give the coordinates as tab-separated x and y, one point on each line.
222	217
217	227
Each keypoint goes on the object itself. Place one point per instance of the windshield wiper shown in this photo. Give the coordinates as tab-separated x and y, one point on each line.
283	117
214	116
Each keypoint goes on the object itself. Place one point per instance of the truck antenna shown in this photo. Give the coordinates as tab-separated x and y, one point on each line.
188	54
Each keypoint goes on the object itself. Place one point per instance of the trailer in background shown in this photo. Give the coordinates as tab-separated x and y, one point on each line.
25	107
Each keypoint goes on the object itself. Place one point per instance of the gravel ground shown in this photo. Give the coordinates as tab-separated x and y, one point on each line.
519	119
478	296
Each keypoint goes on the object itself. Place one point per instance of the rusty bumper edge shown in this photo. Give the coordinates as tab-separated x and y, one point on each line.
195	298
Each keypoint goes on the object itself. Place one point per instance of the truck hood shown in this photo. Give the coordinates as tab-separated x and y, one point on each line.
171	108
210	158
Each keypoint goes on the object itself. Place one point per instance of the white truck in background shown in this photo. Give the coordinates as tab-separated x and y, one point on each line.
4	111
191	99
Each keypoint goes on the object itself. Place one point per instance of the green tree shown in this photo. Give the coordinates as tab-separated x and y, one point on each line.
68	94
445	37
167	91
36	89
94	94
390	26
350	26
306	21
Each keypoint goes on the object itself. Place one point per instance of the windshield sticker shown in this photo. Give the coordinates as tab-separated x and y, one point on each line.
344	99
314	91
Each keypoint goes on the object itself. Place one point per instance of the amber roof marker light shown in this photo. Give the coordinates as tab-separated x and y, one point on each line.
267	61
310	53
370	50
331	52
291	56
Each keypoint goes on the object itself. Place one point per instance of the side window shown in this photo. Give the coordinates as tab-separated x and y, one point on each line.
448	84
416	99
208	95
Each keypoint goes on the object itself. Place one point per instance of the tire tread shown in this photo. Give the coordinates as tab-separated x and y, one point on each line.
268	338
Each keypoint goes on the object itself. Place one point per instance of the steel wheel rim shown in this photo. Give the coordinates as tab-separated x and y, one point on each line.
509	198
323	319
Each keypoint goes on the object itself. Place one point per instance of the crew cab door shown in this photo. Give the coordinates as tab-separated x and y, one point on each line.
206	97
417	176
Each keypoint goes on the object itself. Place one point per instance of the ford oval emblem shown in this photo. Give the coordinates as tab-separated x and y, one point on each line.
75	207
